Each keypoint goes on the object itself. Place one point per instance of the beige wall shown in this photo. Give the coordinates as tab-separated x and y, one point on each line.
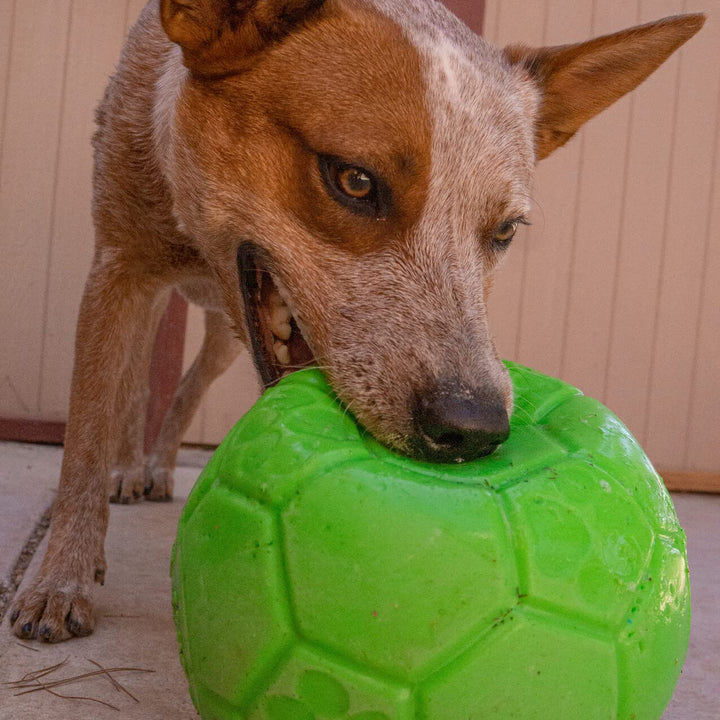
615	287
55	57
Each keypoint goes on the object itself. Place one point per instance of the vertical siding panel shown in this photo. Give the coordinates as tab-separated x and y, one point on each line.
7	24
27	172
7	30
546	273
641	231
701	452
684	250
91	58
600	202
194	333
516	22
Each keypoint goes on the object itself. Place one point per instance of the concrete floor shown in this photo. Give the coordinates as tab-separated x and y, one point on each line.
134	619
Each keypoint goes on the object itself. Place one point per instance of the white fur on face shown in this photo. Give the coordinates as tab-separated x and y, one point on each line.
482	159
482	112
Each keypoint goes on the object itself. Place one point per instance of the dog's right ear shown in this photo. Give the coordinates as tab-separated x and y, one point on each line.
219	37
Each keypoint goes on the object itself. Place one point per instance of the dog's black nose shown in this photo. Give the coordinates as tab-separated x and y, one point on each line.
455	424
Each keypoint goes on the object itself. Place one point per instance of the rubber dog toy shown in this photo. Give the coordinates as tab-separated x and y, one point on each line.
318	575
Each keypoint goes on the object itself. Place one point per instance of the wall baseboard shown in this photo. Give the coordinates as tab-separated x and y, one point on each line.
703	482
32	431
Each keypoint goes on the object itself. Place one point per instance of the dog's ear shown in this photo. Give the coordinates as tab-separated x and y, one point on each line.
579	81
220	36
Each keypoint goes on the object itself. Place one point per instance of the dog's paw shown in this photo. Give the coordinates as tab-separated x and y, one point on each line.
127	485
159	483
52	611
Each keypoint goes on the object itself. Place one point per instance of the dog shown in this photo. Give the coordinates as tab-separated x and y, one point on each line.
335	182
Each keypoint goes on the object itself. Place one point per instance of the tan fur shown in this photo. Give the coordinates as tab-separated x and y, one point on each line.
213	141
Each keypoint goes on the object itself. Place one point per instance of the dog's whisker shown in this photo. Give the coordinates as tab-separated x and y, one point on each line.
347	408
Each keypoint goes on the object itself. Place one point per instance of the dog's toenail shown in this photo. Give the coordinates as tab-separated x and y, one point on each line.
27	628
76	627
14	616
45	633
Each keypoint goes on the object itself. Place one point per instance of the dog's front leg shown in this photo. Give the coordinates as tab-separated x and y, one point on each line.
220	347
127	470
116	304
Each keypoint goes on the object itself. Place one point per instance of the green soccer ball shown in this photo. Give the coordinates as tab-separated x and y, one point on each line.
319	576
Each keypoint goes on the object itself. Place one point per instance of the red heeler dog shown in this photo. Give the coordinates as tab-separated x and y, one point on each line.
335	181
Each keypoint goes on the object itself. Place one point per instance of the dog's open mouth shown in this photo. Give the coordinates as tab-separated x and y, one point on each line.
277	343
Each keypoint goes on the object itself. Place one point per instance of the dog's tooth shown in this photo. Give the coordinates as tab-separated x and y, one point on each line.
282	352
280	322
282	331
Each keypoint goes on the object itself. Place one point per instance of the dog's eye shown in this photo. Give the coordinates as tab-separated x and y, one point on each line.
352	186
354	182
505	232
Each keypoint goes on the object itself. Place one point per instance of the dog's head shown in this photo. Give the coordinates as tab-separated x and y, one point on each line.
355	171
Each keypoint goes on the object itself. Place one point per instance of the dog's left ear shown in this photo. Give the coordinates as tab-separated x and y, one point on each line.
579	81
221	36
